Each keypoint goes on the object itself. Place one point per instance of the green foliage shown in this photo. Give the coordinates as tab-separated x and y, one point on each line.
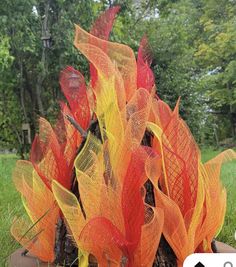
25	67
10	117
172	38
192	44
216	53
5	57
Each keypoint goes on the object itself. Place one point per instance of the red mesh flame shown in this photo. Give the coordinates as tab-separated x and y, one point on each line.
74	88
132	201
145	76
181	160
51	159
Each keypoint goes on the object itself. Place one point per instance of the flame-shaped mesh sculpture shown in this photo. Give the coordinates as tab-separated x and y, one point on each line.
91	170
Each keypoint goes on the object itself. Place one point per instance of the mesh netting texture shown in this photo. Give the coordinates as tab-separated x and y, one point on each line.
115	145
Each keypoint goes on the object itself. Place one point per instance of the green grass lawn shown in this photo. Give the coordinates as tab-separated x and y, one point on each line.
10	202
10	206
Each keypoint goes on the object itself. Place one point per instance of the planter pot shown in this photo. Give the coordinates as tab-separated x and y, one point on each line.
224	248
17	260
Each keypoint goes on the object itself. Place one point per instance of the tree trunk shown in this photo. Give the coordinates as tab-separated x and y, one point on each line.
22	93
39	84
233	123
43	72
31	93
232	110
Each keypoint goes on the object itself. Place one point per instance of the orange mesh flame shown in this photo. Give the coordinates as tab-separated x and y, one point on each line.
215	200
191	192
38	238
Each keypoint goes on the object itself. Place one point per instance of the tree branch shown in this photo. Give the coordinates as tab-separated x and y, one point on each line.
77	126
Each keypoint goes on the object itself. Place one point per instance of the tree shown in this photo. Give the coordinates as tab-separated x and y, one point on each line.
30	84
172	36
216	56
